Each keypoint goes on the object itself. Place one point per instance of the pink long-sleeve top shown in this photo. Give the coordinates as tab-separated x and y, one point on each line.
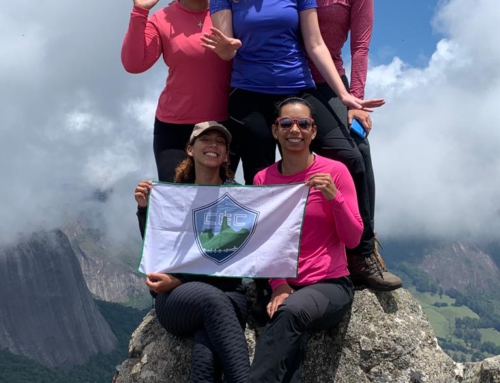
198	82
328	227
336	18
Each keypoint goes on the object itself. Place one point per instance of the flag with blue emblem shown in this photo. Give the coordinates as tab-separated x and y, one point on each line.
228	230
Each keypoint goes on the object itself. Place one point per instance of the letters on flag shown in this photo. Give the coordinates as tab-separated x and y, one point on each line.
228	230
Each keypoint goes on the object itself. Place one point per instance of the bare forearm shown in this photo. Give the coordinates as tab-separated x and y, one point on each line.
320	56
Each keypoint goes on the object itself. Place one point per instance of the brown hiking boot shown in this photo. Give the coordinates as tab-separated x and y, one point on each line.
377	254
371	271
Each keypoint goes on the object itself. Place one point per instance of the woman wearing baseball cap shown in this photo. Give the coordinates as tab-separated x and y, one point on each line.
212	310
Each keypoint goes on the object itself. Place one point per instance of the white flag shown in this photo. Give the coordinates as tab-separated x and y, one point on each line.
228	230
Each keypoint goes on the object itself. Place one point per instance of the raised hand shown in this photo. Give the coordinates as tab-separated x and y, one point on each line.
141	193
162	283
219	43
145	4
362	116
356	103
324	183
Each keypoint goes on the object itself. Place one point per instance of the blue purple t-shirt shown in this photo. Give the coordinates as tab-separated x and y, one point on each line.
271	58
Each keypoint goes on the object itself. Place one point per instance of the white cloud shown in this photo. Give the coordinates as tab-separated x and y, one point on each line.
72	120
66	127
435	143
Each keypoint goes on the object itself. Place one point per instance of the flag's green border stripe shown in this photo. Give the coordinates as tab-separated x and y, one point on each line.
300	235
226	185
218	186
144	239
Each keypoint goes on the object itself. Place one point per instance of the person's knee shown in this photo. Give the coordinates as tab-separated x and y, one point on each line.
294	315
350	157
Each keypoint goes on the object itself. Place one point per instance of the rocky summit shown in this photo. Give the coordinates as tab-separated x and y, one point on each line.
385	338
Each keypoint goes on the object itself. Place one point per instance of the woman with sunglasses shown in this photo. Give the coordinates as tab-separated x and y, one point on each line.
212	310
338	18
265	40
174	32
322	292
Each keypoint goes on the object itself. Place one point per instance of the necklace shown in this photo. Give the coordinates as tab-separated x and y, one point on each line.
199	22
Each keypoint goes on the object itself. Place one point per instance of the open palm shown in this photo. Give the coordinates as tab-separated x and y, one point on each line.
219	43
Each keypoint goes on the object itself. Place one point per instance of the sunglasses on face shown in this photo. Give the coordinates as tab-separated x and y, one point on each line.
303	123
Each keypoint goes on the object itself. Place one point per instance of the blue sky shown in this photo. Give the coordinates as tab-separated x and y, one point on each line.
403	28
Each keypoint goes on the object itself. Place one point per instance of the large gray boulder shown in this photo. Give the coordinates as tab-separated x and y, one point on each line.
386	338
46	310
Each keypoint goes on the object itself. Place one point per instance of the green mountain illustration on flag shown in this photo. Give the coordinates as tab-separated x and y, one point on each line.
226	239
223	228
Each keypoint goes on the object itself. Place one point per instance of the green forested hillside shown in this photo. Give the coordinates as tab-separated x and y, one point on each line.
100	369
467	324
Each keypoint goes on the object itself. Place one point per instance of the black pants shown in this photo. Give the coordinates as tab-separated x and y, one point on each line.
363	146
216	320
169	145
251	115
281	348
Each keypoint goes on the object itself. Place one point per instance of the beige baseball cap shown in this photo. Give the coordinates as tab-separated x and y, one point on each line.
209	125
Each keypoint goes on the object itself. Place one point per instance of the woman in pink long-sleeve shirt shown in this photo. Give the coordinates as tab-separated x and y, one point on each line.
322	292
197	86
338	18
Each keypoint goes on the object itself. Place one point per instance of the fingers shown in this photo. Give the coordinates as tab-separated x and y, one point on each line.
155	276
319	177
323	182
217	32
155	280
374	103
209	39
365	122
354	105
210	42
151	284
269	310
215	37
145	184
142	191
366	110
363	118
272	307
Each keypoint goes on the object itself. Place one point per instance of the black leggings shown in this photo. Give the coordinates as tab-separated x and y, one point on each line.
216	319
251	116
363	144
281	348
169	145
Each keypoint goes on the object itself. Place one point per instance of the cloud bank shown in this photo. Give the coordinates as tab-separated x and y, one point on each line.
73	122
435	143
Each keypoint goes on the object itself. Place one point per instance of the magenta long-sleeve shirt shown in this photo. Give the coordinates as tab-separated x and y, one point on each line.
198	81
328	227
336	18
